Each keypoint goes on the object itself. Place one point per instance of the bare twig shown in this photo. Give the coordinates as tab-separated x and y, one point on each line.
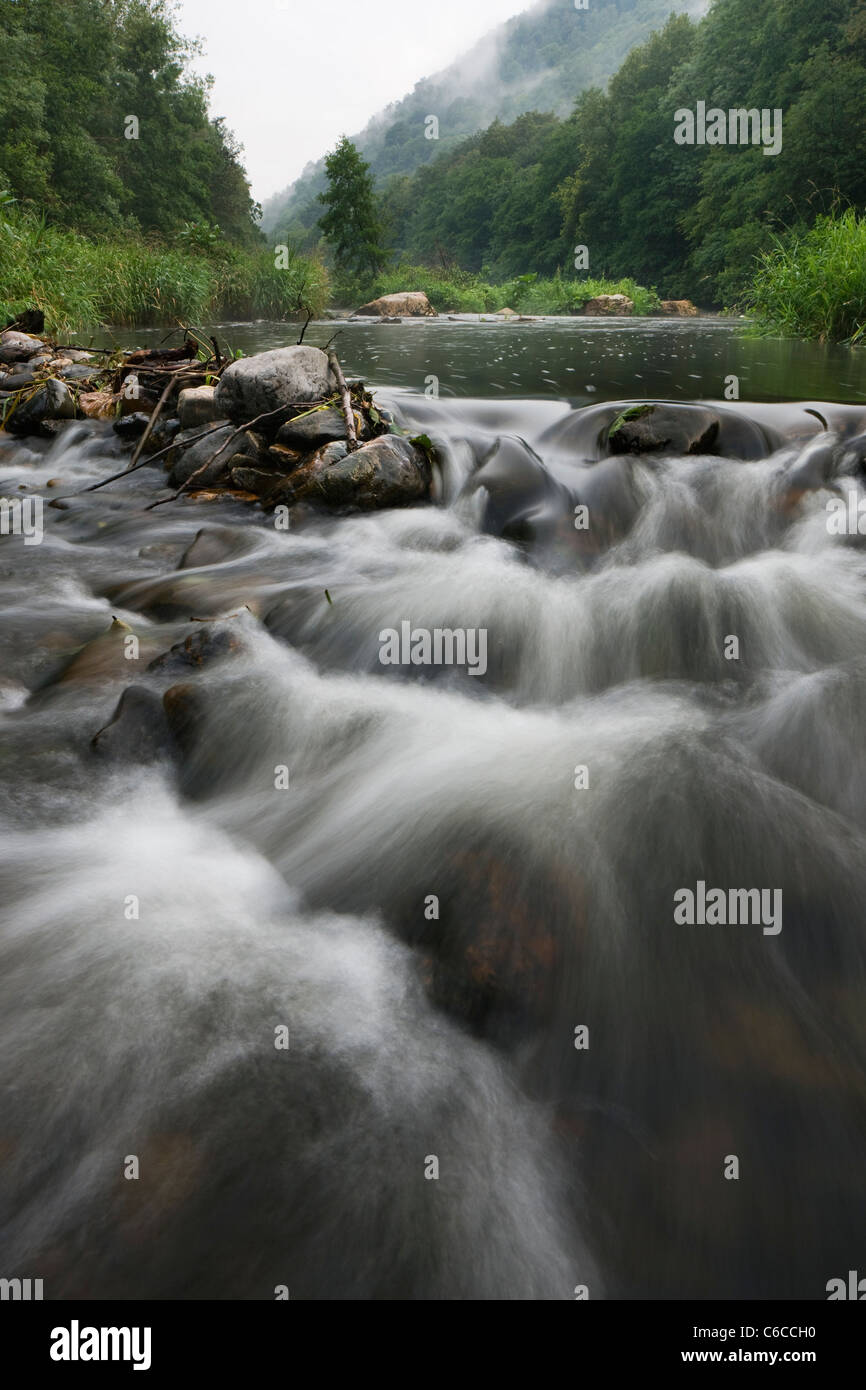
306	326
170	384
346	399
151	458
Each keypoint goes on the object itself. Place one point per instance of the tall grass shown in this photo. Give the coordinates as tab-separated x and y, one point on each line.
80	283
812	284
460	291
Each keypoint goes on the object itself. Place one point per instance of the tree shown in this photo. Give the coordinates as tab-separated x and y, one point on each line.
351	224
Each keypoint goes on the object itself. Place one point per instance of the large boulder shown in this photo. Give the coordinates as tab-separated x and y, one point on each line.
679	308
413	304
387	472
606	304
673	429
271	381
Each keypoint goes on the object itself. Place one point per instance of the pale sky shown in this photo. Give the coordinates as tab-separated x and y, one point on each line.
292	76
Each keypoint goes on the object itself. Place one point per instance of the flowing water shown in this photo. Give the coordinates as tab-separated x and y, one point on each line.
463	872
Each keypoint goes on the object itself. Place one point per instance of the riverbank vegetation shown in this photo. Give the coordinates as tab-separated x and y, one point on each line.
812	284
455	291
80	282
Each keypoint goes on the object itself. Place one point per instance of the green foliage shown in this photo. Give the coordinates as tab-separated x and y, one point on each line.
81	282
461	292
351	224
812	283
71	74
519	199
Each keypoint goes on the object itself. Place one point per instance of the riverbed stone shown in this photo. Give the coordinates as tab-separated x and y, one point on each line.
196	406
50	401
274	380
18	347
387	472
674	429
321	427
214	450
138	730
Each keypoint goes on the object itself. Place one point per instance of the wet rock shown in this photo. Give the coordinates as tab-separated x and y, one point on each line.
79	372
162	434
184	711
18	347
387	472
411	304
104	657
283	458
131	426
54	428
310	431
606	304
18	377
138	730
254	480
272	381
196	407
207	644
51	401
676	429
217	450
679	308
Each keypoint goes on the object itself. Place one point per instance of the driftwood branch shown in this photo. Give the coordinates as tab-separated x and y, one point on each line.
346	399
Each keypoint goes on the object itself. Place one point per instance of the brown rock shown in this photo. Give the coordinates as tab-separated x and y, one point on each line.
412	304
608	304
679	308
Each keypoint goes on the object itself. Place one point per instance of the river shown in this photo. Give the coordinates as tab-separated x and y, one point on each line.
372	986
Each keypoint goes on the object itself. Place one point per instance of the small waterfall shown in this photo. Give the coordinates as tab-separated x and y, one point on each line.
373	969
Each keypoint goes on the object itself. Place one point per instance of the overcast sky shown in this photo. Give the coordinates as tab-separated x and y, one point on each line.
292	76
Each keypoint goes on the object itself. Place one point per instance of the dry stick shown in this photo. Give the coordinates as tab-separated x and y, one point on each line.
151	458
155	416
268	415
346	400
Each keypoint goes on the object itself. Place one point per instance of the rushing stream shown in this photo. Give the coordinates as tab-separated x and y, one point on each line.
463	869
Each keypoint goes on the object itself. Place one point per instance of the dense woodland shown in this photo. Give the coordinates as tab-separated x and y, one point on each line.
71	73
517	198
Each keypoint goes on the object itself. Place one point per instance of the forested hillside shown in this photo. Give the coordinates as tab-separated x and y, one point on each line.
538	61
689	219
72	74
